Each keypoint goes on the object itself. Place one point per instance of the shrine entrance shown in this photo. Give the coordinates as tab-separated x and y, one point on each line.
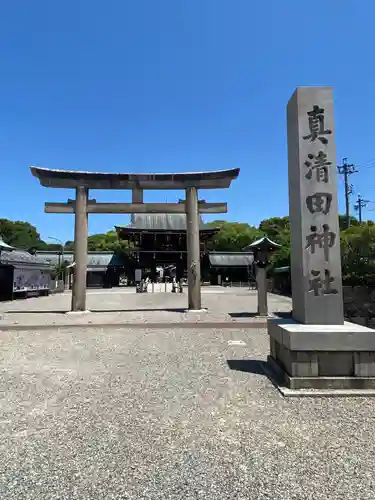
160	246
191	207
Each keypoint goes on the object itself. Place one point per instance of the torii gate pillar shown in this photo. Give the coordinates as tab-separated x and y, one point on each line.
80	250
193	249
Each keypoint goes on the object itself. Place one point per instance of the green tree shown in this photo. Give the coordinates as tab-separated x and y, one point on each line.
59	271
107	242
354	240
281	256
278	230
275	227
232	236
343	223
21	234
358	255
103	242
69	245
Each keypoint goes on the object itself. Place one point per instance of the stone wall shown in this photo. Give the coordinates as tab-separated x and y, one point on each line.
359	305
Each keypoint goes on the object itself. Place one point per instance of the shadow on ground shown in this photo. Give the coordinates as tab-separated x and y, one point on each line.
255	366
41	311
283	314
243	314
246	314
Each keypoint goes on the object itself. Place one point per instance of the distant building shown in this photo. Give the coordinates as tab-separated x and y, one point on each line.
158	249
160	240
22	274
103	268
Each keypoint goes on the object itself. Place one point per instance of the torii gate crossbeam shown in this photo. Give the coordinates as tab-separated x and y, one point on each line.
82	182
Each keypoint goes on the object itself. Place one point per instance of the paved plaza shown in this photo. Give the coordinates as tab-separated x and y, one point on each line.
181	411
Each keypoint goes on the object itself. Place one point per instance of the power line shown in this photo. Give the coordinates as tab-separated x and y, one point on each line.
347	169
372	160
361	203
369	164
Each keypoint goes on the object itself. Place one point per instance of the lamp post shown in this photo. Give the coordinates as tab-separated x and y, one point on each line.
61	254
262	249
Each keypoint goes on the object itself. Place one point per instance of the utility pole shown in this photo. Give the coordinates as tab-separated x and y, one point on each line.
361	203
347	169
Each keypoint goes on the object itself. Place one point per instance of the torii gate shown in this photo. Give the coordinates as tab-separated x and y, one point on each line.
82	206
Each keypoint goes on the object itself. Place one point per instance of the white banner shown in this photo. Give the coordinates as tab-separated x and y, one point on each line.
28	279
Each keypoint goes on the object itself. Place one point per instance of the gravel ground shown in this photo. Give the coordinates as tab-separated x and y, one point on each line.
118	306
168	414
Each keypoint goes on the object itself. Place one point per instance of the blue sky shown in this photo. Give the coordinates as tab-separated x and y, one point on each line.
173	86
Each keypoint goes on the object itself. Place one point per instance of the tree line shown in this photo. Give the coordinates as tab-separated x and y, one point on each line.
357	242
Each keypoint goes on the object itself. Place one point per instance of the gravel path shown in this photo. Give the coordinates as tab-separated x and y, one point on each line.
168	414
118	306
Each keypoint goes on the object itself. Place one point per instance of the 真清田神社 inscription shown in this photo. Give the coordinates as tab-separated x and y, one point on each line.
319	202
319	165
319	285
315	241
316	125
324	240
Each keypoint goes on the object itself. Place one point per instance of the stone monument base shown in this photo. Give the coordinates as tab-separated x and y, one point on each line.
321	356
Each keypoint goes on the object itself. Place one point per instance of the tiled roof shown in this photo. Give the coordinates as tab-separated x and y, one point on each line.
235	259
264	242
159	222
94	259
21	257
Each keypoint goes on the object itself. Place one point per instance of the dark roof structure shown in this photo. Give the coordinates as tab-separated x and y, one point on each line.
263	243
98	261
21	257
108	180
159	222
230	259
53	257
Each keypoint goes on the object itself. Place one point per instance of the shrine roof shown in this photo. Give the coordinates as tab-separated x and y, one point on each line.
263	243
109	180
160	223
231	259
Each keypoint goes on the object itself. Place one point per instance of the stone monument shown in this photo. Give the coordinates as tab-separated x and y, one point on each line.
316	348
